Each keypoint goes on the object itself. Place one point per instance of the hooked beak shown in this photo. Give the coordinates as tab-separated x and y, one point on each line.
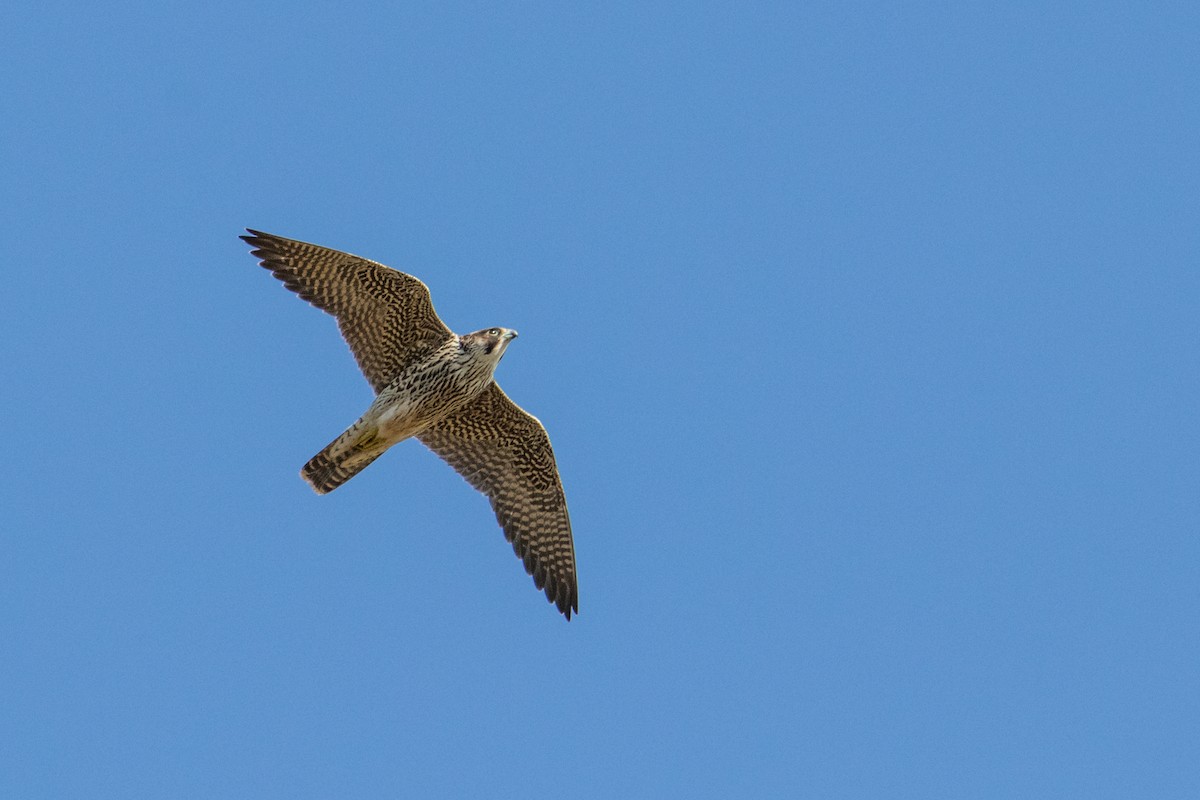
510	335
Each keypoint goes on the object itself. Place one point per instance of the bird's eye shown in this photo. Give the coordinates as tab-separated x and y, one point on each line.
494	331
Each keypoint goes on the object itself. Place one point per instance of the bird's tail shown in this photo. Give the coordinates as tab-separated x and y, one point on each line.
343	458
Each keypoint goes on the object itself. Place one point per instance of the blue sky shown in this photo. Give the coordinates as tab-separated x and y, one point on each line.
866	334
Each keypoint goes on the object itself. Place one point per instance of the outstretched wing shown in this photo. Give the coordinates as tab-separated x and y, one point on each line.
505	453
385	316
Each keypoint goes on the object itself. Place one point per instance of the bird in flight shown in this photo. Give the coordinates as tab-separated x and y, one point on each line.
438	386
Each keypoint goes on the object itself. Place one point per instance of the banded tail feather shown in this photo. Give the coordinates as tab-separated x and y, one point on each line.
342	459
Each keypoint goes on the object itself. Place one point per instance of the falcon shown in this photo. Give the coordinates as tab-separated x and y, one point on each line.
437	386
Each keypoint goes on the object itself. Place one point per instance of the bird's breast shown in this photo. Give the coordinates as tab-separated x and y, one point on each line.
427	392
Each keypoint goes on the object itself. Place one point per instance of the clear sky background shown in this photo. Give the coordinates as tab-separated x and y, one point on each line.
868	337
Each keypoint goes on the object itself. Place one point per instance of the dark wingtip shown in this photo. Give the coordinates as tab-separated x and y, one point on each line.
265	247
255	238
566	598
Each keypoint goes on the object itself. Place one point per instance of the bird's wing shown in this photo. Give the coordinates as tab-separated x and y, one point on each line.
385	316
505	453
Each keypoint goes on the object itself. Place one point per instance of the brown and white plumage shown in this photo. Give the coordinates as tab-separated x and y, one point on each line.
505	453
385	316
436	386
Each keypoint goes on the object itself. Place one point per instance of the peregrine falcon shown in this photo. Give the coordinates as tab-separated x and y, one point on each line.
437	386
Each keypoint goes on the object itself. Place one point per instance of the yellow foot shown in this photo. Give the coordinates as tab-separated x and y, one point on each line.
366	440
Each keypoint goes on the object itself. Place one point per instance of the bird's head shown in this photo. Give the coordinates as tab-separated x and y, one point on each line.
489	342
